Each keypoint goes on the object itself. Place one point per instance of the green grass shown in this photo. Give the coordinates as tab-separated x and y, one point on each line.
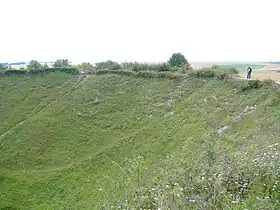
114	141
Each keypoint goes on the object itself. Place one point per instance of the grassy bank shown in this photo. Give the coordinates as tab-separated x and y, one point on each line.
116	141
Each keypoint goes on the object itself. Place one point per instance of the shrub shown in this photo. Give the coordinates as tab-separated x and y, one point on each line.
251	84
158	67
144	74
230	70
108	65
14	72
85	67
40	71
64	63
233	70
34	65
268	82
3	67
215	67
209	73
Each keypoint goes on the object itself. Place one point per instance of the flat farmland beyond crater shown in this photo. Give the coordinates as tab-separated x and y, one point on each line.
261	75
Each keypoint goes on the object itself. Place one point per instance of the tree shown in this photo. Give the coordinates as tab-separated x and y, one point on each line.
3	66
178	60
85	66
34	65
110	65
64	63
46	66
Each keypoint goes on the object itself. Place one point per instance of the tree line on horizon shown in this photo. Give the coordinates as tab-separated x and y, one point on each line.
177	62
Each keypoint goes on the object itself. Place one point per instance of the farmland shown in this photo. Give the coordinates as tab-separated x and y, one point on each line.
123	142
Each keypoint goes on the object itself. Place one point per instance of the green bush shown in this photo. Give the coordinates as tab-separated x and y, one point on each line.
120	72
230	70
144	74
40	71
233	70
107	65
85	66
158	67
34	65
14	72
209	73
3	67
64	63
251	84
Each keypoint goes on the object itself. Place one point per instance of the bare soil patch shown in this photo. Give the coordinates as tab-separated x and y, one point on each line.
273	75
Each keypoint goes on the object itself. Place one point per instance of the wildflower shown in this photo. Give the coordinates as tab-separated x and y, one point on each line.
192	201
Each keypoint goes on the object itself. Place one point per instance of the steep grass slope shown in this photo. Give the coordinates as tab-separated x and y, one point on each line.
111	141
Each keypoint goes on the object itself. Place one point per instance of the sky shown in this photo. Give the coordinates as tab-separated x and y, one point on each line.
139	30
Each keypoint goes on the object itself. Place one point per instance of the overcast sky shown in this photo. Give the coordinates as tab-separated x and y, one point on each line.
143	30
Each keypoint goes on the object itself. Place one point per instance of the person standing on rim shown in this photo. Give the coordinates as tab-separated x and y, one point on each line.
249	72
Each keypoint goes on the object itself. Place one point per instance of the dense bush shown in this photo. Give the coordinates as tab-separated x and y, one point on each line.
230	70
144	74
146	66
108	65
34	65
14	72
252	84
3	67
64	63
233	70
209	73
85	67
40	71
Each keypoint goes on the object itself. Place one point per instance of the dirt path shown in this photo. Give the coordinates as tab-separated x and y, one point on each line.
273	75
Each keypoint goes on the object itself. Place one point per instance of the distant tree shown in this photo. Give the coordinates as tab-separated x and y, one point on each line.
178	60
34	65
110	65
85	66
45	66
64	63
3	67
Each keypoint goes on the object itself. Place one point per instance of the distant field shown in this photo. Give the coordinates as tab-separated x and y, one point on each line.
119	142
260	70
242	67
239	66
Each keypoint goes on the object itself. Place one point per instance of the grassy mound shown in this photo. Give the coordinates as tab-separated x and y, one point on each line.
115	141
